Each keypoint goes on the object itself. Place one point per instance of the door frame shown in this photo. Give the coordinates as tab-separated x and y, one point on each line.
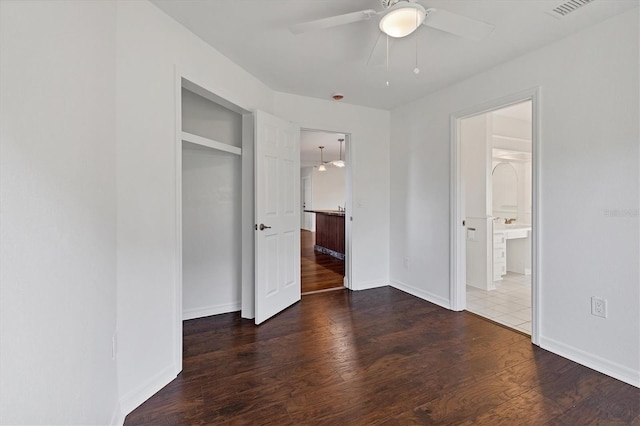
457	233
348	217
303	195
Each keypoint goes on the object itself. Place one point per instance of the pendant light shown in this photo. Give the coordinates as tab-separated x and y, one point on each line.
339	163
321	167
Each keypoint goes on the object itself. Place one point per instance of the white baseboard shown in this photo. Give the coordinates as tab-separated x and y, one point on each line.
425	295
594	362
132	399
206	311
366	285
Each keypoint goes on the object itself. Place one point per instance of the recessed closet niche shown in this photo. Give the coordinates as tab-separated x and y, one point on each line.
211	207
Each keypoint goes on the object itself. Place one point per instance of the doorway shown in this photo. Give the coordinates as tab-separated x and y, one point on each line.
494	212
324	176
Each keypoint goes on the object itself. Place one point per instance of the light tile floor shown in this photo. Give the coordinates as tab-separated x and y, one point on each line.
508	304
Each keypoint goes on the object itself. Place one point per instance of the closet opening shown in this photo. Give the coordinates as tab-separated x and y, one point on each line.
211	207
213	144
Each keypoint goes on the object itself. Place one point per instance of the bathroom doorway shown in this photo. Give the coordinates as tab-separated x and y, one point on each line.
325	207
496	150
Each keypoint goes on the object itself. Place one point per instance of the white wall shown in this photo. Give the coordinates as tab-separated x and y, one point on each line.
306	171
150	46
211	255
204	118
369	149
329	188
58	215
589	189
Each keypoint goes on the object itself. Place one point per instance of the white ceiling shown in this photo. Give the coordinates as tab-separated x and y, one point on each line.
254	34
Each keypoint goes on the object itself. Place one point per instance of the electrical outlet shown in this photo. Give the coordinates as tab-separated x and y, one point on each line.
598	307
405	263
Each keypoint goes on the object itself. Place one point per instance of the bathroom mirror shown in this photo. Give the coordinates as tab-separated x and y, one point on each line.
505	191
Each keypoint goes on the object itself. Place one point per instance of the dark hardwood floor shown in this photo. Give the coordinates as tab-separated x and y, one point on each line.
318	271
378	356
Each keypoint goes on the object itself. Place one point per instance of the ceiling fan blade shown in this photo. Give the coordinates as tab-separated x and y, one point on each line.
333	21
377	55
457	24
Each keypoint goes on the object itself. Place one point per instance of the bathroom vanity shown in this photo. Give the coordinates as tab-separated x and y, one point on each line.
511	249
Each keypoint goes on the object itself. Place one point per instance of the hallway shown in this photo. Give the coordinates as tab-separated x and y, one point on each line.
318	271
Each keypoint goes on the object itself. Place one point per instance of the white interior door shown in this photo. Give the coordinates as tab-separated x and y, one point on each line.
277	204
475	143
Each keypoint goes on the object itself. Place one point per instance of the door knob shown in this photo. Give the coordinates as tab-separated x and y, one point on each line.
263	227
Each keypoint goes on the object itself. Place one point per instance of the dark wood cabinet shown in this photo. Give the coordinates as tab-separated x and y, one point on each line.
330	232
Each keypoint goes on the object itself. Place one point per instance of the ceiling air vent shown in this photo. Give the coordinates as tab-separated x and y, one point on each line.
566	8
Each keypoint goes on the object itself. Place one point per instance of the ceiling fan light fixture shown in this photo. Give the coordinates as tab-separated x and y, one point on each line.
402	19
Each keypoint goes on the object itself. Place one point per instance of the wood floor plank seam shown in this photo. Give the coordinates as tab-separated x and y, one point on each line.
377	356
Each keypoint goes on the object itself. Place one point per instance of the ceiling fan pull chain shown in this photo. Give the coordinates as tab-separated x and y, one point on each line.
416	70
387	60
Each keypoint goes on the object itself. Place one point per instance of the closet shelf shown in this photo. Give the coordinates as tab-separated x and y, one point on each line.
199	140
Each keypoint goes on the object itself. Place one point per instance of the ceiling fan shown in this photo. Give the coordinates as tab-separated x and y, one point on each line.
399	18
